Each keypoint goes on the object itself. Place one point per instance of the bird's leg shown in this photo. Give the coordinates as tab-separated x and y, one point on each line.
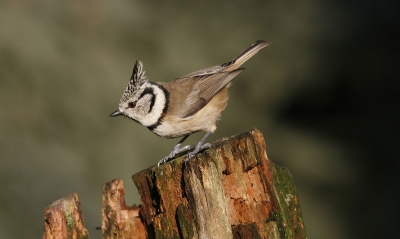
191	146
199	146
185	148
174	151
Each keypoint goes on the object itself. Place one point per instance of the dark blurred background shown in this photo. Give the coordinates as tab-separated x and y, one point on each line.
325	95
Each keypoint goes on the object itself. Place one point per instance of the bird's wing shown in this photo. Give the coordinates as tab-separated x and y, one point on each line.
211	80
204	89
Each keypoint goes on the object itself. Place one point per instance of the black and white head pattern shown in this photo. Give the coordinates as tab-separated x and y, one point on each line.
143	101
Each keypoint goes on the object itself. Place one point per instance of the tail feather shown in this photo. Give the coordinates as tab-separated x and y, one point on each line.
245	55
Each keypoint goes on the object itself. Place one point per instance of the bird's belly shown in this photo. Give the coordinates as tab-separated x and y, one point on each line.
204	120
174	127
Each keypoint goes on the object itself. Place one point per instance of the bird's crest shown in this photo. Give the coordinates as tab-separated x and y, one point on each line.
137	80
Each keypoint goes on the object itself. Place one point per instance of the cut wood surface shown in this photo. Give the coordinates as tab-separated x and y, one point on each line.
231	190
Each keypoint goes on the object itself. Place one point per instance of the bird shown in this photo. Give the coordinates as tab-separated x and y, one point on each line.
183	106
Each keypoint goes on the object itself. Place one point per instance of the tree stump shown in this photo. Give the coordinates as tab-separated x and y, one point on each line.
231	190
118	219
64	219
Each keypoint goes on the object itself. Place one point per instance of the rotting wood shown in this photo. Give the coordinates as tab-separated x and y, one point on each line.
229	191
118	219
64	219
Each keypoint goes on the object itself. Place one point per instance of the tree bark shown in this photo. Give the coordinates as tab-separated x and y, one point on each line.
64	219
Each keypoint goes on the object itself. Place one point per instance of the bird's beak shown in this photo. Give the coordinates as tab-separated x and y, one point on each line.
116	113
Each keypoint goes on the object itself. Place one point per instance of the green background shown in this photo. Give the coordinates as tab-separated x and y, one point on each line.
324	94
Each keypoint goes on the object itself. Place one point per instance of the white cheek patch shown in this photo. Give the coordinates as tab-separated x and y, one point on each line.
142	106
155	114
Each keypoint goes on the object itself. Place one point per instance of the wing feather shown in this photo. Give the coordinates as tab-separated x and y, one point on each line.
209	81
205	88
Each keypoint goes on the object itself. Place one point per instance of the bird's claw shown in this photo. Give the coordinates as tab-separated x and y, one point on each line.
189	156
194	152
162	161
178	150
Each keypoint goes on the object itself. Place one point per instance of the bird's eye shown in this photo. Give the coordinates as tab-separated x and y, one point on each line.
132	104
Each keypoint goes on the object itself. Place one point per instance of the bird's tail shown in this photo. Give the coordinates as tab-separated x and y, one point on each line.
245	55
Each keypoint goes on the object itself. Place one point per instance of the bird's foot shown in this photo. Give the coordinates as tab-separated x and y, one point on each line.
176	150
206	146
196	150
185	149
169	156
163	160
